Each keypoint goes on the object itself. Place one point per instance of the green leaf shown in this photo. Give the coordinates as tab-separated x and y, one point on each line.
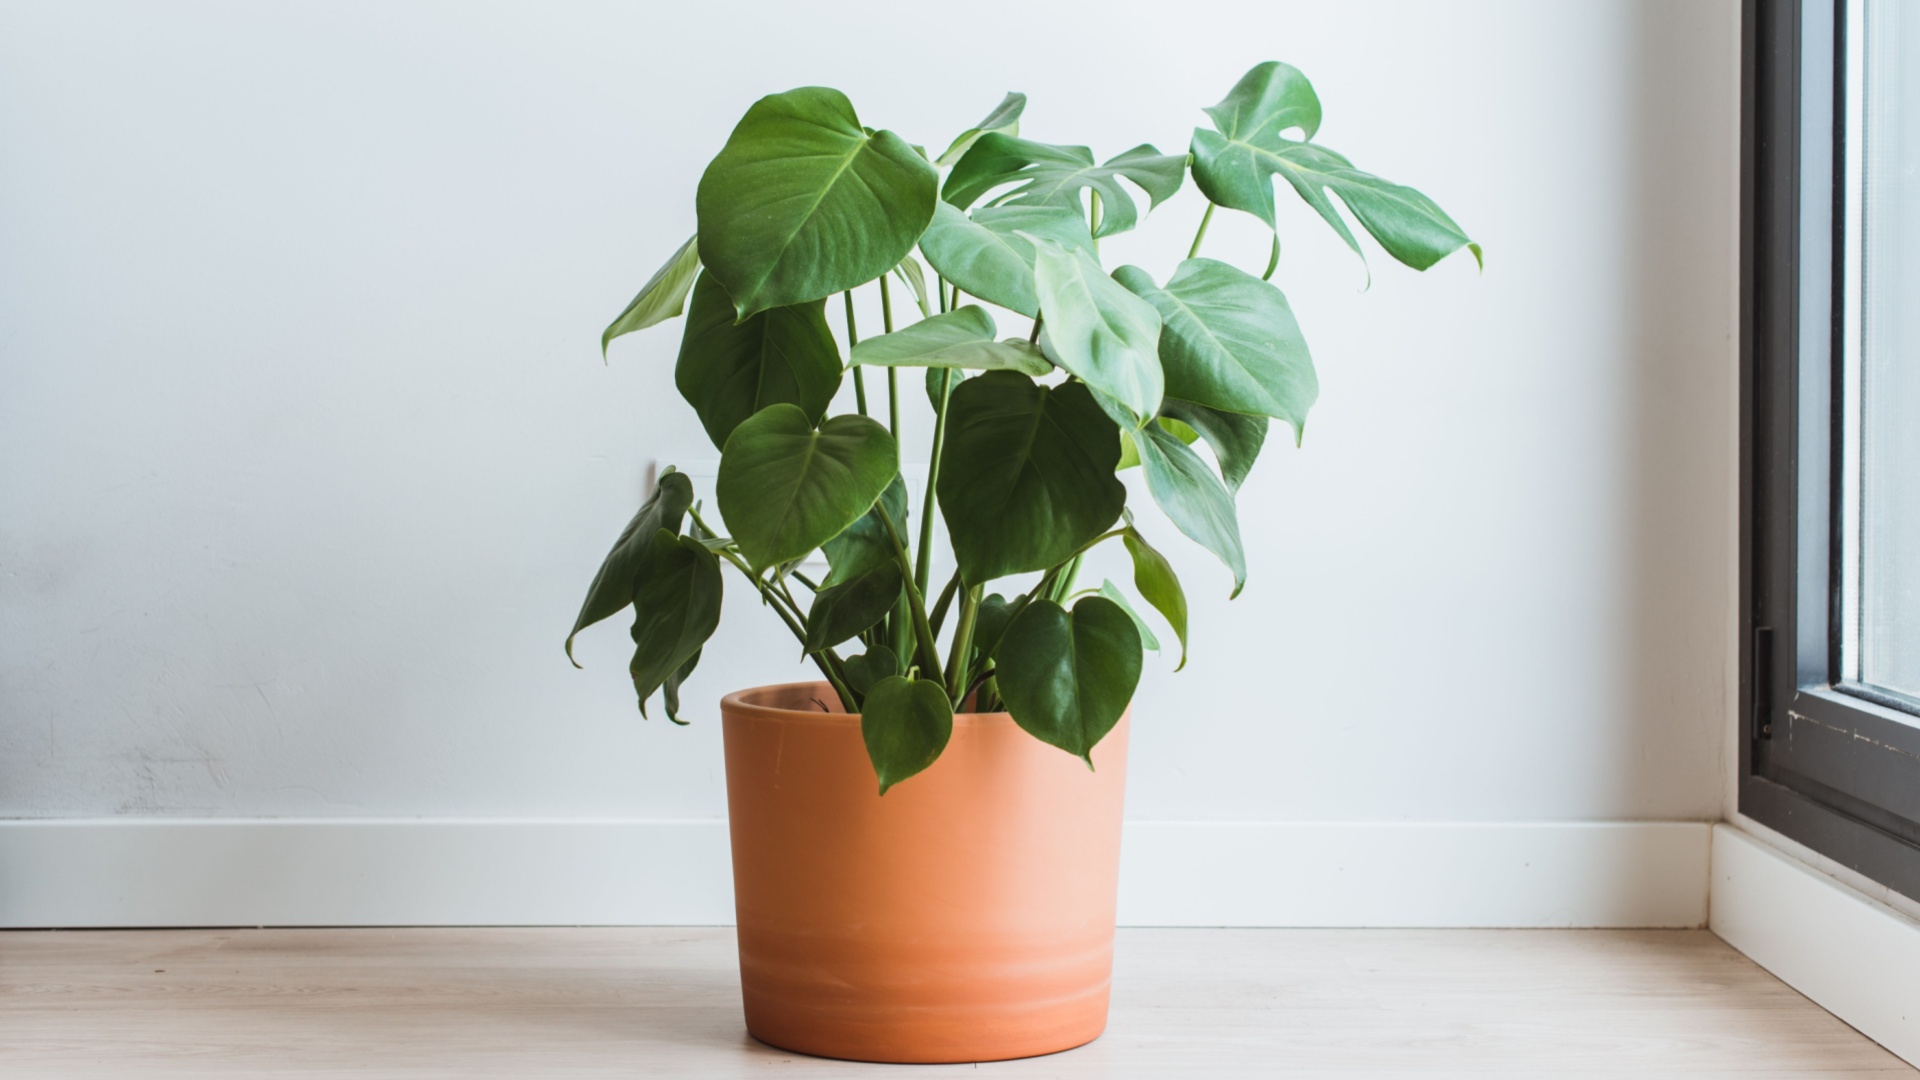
1228	340
914	278
1067	677
670	690
865	544
990	622
962	338
1112	592
1027	474
870	667
987	257
1158	585
661	298
841	611
729	371
1003	120
612	587
1130	454
1194	499
786	489
1236	438
676	606
803	202
1234	166
1049	175
905	724
1097	329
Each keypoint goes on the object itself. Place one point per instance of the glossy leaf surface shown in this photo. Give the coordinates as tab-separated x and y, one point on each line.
676	606
613	585
803	202
1236	438
1050	175
1067	676
1154	579
786	488
661	298
958	339
1114	593
1003	120
843	610
869	668
729	371
905	723
1028	474
985	254
1097	329
1228	340
1194	499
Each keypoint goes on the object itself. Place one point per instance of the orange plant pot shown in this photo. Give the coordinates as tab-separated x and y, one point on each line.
966	916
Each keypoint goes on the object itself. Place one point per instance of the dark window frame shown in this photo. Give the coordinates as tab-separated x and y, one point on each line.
1831	765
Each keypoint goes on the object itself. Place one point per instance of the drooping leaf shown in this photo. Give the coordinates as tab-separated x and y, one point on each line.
1158	585
865	544
1067	677
905	724
844	610
1236	438
612	587
1113	592
1027	475
1194	498
1003	120
661	298
670	690
870	667
914	278
803	202
1049	175
1130	454
1097	329
986	256
728	371
1234	166
676	606
957	339
1228	340
786	488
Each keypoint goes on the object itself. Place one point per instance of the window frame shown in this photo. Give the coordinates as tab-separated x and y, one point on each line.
1831	765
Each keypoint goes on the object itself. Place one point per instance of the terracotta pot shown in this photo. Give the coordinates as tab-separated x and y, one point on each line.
966	916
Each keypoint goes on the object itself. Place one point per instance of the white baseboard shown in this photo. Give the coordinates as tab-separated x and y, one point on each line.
368	872
1855	957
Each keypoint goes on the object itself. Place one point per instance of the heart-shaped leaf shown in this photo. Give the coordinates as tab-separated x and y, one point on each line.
962	338
1194	499
1067	677
612	587
728	371
841	611
1003	120
786	488
870	667
661	298
1236	438
676	606
1228	340
1147	640
1049	175
1097	329
865	544
905	724
1027	474
1153	576
803	202
987	257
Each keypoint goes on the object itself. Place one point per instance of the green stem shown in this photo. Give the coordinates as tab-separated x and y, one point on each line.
1093	219
1205	220
1034	338
940	290
960	661
939	616
923	561
925	645
826	660
1273	260
853	338
893	374
1063	585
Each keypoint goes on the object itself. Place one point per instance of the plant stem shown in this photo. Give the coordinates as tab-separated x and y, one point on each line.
923	561
827	660
940	290
1273	261
893	374
939	616
925	645
1093	219
853	338
960	661
1205	220
1034	338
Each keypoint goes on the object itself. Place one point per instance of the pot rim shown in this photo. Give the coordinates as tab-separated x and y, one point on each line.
737	704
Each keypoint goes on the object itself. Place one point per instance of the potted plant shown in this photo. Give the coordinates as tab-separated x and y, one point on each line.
921	873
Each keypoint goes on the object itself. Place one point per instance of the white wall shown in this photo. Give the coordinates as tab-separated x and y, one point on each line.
307	454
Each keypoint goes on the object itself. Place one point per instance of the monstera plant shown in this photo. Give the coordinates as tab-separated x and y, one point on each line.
1106	371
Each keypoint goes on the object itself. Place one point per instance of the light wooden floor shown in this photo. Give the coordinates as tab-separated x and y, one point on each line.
663	1003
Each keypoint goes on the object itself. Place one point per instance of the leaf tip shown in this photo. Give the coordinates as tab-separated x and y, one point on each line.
1479	258
577	664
